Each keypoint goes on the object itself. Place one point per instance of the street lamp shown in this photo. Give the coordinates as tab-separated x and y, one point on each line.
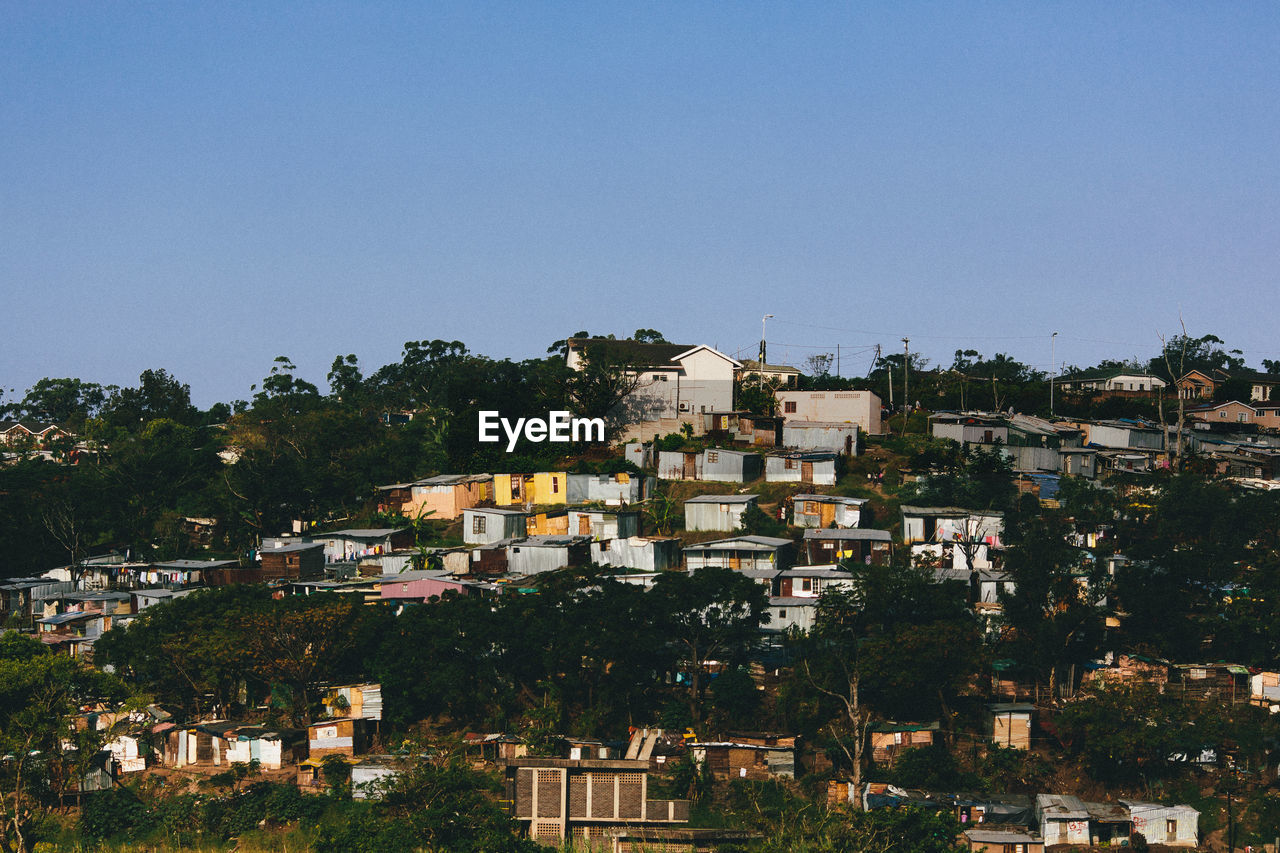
1053	368
763	320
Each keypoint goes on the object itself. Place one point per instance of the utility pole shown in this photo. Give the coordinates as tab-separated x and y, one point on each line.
763	353
837	361
906	373
1053	368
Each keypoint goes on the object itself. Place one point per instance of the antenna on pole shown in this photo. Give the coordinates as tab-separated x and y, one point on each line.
906	374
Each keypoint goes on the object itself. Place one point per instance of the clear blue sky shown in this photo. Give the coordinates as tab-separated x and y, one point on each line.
204	186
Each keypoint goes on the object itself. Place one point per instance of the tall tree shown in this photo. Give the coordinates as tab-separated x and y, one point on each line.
709	614
45	754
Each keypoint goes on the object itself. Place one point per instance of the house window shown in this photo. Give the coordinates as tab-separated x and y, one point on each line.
789	407
782	614
662	377
477	524
555	485
1243	417
811	507
404	587
806	585
1222	415
1171	828
790	464
713	456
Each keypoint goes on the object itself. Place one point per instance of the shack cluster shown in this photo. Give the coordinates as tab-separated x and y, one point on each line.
516	526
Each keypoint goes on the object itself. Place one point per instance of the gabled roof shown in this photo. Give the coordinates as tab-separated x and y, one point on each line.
831	499
362	533
556	540
637	353
1210	407
1062	807
811	455
741	543
830	572
641	354
196	564
294	548
860	534
950	511
722	499
704	348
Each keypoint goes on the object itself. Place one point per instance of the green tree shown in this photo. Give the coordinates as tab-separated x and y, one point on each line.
1055	611
876	641
709	614
45	754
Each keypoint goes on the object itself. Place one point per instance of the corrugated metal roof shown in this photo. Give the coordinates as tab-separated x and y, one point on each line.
836	499
362	533
722	499
865	534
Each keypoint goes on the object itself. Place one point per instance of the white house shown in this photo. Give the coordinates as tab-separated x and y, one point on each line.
854	407
674	383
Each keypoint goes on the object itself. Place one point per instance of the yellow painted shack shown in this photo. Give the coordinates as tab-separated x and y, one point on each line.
545	488
553	522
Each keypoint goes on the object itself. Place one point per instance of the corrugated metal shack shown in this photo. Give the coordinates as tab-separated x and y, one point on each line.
487	560
539	554
291	562
859	545
372	772
716	512
801	466
646	553
890	739
549	522
480	526
610	489
730	466
344	736
638	454
740	552
1063	819
815	435
602	524
1225	682
826	510
1175	826
747	757
1002	841
786	612
354	700
679	465
810	581
744	427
